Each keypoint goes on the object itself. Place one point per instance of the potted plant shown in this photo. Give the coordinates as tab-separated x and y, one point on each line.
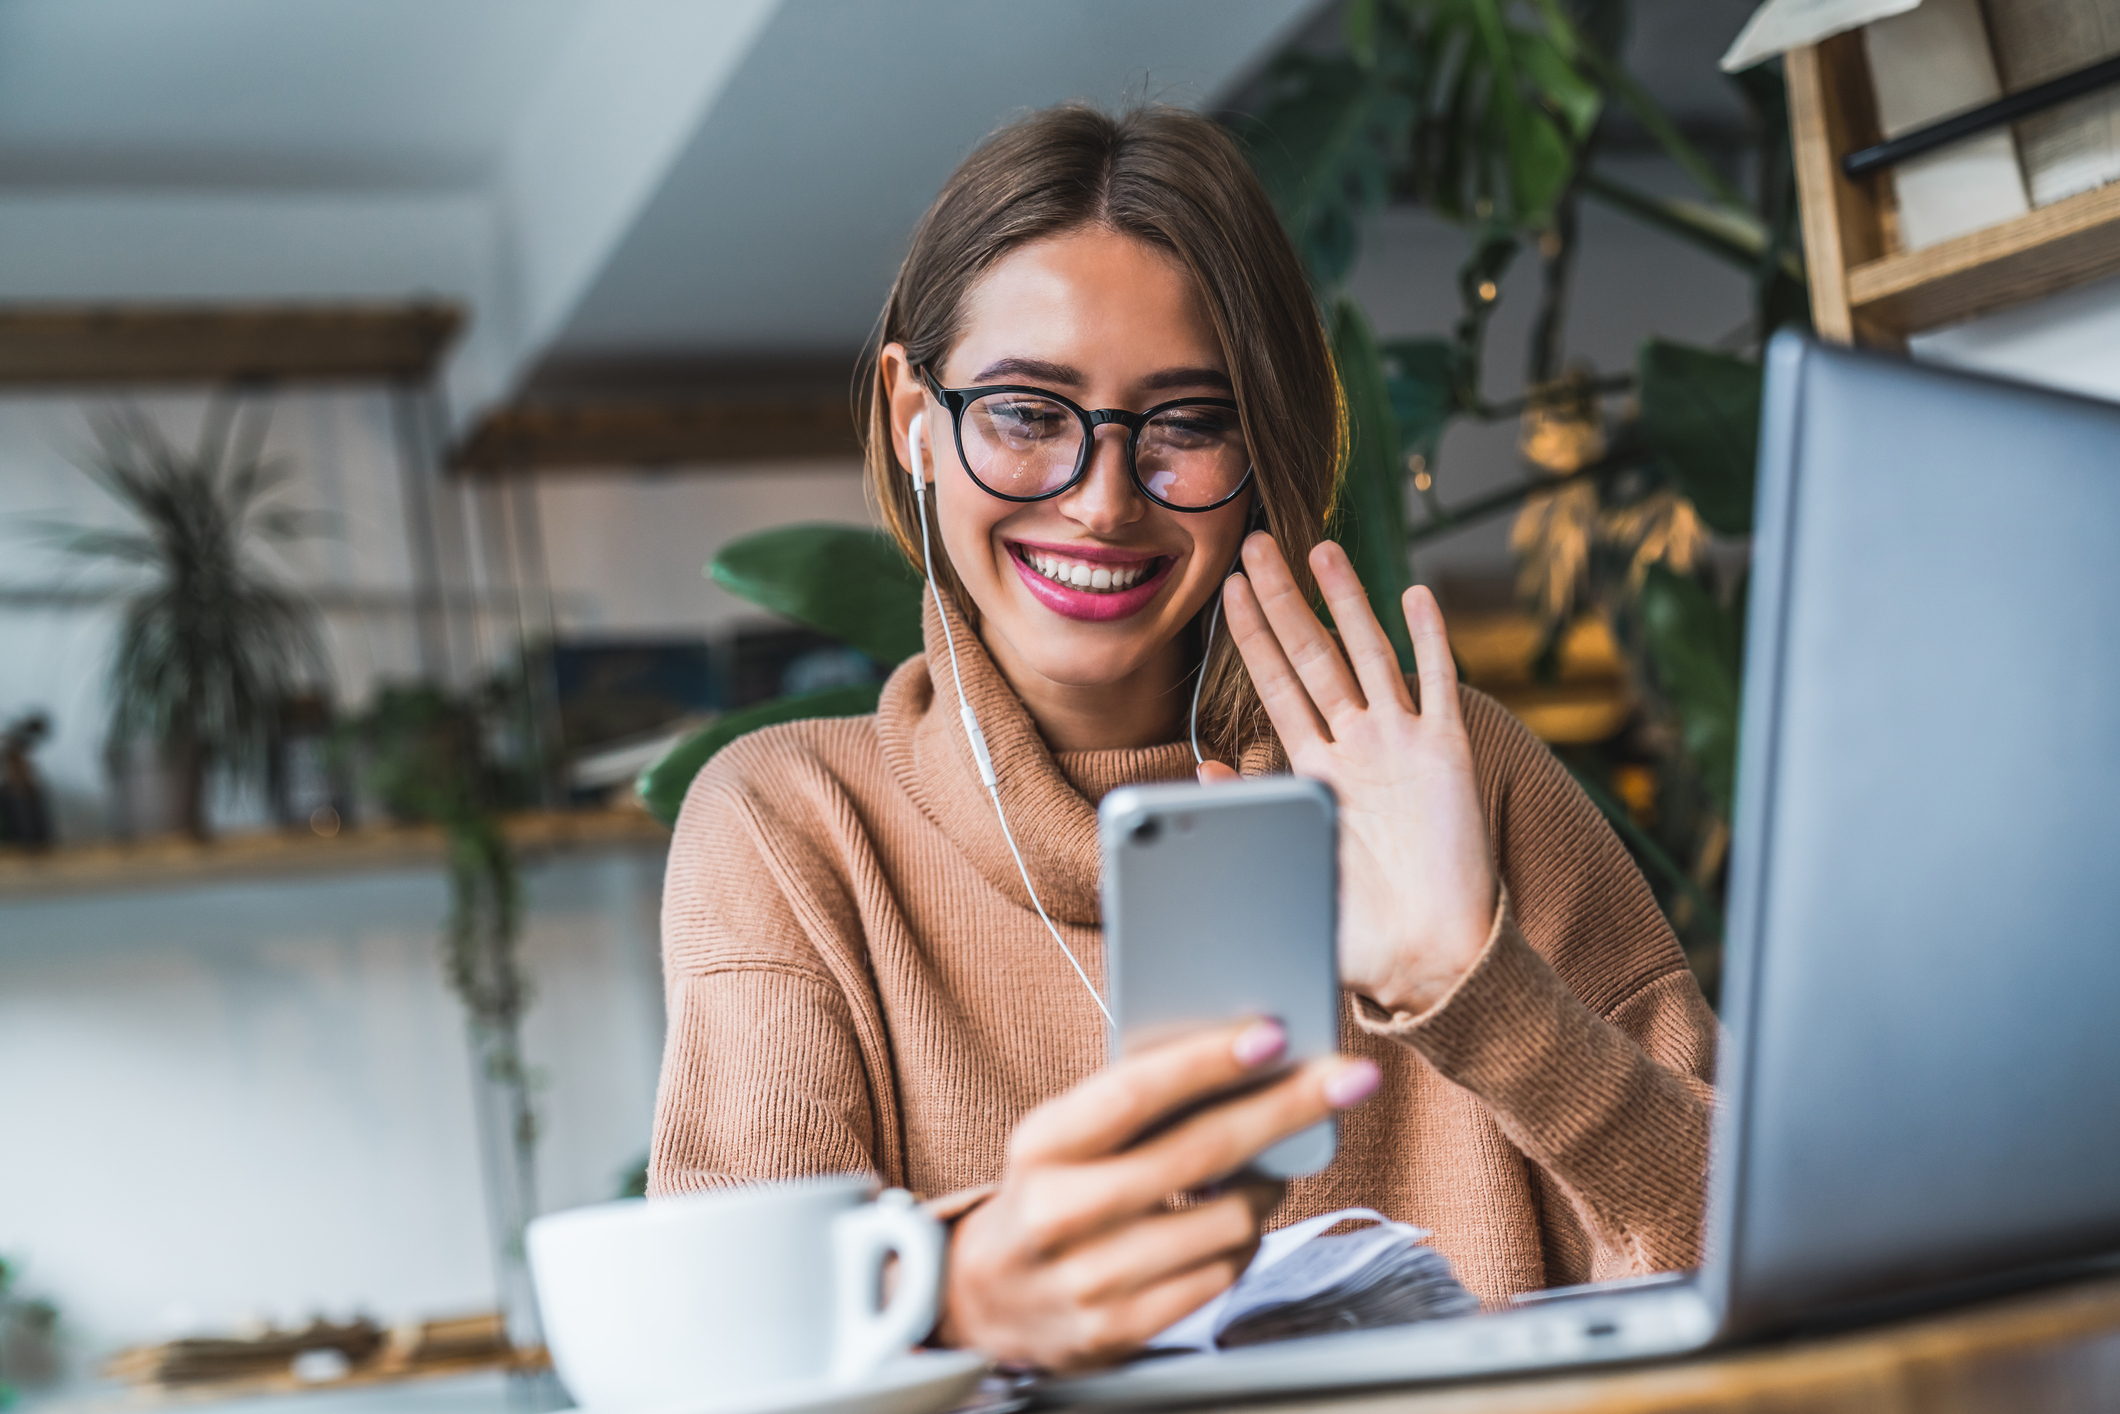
213	645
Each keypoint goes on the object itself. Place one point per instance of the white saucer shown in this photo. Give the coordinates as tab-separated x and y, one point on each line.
923	1382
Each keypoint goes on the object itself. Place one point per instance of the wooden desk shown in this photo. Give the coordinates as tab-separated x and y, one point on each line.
2043	1351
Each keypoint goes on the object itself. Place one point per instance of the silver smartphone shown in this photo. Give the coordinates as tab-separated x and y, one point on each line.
1220	902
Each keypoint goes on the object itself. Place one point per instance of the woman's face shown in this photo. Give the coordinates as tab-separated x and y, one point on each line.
1091	588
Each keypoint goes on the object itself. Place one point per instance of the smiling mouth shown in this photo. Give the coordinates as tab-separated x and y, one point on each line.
1085	576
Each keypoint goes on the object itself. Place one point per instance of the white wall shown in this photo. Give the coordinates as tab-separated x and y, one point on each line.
2070	340
255	1099
627	549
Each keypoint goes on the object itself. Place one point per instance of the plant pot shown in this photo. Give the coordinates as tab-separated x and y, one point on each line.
157	790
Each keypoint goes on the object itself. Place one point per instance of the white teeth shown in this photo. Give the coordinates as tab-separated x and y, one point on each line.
1102	578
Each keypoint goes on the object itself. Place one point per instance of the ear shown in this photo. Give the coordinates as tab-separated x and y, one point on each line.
906	396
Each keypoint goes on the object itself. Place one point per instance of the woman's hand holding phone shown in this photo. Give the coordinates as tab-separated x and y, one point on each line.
1077	1259
1418	881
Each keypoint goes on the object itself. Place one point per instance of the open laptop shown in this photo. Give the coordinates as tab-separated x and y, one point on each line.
1921	1067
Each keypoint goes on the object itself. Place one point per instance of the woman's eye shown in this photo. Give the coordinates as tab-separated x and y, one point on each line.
1026	419
1192	429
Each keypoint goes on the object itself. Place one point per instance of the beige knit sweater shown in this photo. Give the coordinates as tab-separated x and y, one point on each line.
857	981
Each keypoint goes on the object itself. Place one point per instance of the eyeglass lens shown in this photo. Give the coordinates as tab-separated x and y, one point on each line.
1019	444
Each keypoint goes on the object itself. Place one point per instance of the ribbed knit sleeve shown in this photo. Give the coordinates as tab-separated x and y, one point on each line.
1580	1027
763	1073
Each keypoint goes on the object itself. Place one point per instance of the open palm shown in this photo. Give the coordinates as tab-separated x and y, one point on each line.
1417	879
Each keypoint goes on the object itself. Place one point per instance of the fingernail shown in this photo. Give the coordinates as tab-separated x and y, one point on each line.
1261	1041
1354	1084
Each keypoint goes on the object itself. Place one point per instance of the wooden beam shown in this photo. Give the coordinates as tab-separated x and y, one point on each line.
1831	112
116	344
643	432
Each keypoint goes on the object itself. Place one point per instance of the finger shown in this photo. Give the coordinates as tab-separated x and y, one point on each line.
1310	649
1105	1112
1116	1331
1220	1140
1152	1250
1214	773
1286	700
1376	664
1431	654
1262	1193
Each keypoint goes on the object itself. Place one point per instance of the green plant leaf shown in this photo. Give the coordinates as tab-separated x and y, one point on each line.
1359	24
1629	93
1324	145
843	580
663	785
1697	648
1369	515
1540	160
1657	859
1700	419
1421	378
1575	99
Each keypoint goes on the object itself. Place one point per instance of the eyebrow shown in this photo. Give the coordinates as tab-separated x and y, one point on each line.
1040	370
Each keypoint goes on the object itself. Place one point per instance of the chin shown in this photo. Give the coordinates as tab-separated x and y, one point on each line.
1076	654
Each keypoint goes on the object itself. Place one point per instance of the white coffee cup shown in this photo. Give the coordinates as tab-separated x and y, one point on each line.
706	1297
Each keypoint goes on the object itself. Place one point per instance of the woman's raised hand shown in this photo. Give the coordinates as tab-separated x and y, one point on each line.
1417	878
1077	1259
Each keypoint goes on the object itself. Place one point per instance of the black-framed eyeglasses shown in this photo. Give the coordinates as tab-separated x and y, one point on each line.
1030	444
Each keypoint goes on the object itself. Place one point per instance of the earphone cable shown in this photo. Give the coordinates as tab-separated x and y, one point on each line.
1214	617
972	731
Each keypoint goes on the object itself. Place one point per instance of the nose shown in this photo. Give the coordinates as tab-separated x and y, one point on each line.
1105	500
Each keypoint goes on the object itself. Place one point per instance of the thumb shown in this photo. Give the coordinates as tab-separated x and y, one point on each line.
1214	773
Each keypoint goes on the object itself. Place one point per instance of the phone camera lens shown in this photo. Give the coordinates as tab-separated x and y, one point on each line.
1146	832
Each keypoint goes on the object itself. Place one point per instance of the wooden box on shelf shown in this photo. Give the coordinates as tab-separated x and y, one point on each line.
1865	288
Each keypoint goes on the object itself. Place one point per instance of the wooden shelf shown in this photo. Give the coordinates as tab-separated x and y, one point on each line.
1864	288
625	433
2039	253
44	345
177	862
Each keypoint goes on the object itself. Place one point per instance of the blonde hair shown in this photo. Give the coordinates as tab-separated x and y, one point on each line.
1179	182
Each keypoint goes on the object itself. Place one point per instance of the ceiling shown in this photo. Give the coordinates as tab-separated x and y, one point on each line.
601	184
780	225
230	94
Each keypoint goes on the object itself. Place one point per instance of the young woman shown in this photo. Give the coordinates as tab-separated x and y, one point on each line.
857	976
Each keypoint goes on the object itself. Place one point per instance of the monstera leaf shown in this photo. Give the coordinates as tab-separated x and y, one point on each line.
846	581
1700	419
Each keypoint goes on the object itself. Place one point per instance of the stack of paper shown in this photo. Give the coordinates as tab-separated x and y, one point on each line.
2075	146
1932	63
1306	1280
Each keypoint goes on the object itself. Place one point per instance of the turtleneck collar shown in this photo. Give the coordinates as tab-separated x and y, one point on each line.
1051	799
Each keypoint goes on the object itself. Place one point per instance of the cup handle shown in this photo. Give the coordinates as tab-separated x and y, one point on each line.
865	1334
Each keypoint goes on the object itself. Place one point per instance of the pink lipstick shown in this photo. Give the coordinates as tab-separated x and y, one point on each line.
1088	582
